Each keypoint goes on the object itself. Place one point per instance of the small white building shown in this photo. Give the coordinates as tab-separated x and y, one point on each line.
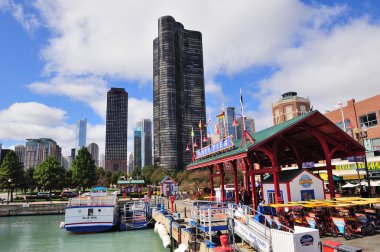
295	185
168	186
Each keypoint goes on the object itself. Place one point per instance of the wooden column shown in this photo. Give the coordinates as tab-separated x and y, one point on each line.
253	189
276	185
330	178
211	182
221	174
236	191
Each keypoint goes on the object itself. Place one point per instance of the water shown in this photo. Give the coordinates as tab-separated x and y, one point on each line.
42	233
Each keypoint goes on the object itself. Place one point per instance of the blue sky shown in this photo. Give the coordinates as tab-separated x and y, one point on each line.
59	58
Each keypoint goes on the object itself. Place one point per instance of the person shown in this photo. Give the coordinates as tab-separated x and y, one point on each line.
241	196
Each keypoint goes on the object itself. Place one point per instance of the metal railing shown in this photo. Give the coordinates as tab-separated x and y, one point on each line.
93	201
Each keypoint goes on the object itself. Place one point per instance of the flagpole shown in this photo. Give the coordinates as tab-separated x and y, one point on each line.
192	139
341	111
224	122
242	109
200	124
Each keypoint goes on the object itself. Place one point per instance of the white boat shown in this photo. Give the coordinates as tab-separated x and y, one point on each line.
96	212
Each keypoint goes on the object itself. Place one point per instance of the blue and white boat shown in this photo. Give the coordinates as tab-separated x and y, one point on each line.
96	212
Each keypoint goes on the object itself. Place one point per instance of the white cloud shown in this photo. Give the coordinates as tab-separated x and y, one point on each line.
313	54
35	120
327	67
28	20
90	90
32	113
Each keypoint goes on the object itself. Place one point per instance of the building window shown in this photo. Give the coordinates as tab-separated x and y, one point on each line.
302	109
277	116
272	198
288	113
368	120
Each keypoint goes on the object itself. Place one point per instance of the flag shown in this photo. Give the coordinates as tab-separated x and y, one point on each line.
192	132
209	120
340	103
241	97
220	116
200	124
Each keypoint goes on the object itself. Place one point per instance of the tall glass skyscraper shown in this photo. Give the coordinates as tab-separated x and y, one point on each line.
143	134
178	92
116	130
81	134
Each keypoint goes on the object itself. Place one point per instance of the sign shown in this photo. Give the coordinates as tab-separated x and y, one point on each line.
305	181
308	165
216	147
248	235
358	159
307	240
371	166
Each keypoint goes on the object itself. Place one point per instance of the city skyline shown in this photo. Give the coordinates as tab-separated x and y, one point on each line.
51	76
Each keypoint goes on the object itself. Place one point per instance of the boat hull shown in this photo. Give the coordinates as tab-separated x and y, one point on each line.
89	228
90	219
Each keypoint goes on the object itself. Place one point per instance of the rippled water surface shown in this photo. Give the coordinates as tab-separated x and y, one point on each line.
42	233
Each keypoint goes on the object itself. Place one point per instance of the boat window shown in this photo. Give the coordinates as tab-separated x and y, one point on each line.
90	212
99	210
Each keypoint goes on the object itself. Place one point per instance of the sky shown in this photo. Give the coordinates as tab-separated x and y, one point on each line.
58	59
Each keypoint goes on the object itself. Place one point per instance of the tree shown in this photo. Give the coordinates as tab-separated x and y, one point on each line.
103	179
30	182
147	174
84	170
50	175
11	173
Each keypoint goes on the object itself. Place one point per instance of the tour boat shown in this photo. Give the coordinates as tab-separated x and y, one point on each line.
96	212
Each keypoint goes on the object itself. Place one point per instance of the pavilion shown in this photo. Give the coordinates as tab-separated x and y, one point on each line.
308	138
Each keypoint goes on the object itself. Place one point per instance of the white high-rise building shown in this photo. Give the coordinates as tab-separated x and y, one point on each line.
81	134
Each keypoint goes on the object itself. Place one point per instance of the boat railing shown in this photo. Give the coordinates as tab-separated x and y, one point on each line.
92	201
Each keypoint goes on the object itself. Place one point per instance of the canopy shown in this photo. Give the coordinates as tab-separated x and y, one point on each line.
348	185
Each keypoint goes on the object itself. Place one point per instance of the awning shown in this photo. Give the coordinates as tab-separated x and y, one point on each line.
324	176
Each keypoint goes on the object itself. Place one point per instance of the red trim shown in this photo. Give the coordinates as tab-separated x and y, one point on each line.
288	191
79	223
217	161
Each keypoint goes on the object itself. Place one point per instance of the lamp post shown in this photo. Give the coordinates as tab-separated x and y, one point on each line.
9	187
361	135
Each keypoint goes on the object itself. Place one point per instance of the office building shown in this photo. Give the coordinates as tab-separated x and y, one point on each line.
249	125
81	134
130	164
116	130
66	162
288	107
20	151
58	154
38	150
137	148
93	149
144	126
357	115
178	93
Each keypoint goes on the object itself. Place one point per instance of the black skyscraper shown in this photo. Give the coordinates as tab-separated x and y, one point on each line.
178	92
116	130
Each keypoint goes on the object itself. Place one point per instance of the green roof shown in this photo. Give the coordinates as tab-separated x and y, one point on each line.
130	182
258	138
